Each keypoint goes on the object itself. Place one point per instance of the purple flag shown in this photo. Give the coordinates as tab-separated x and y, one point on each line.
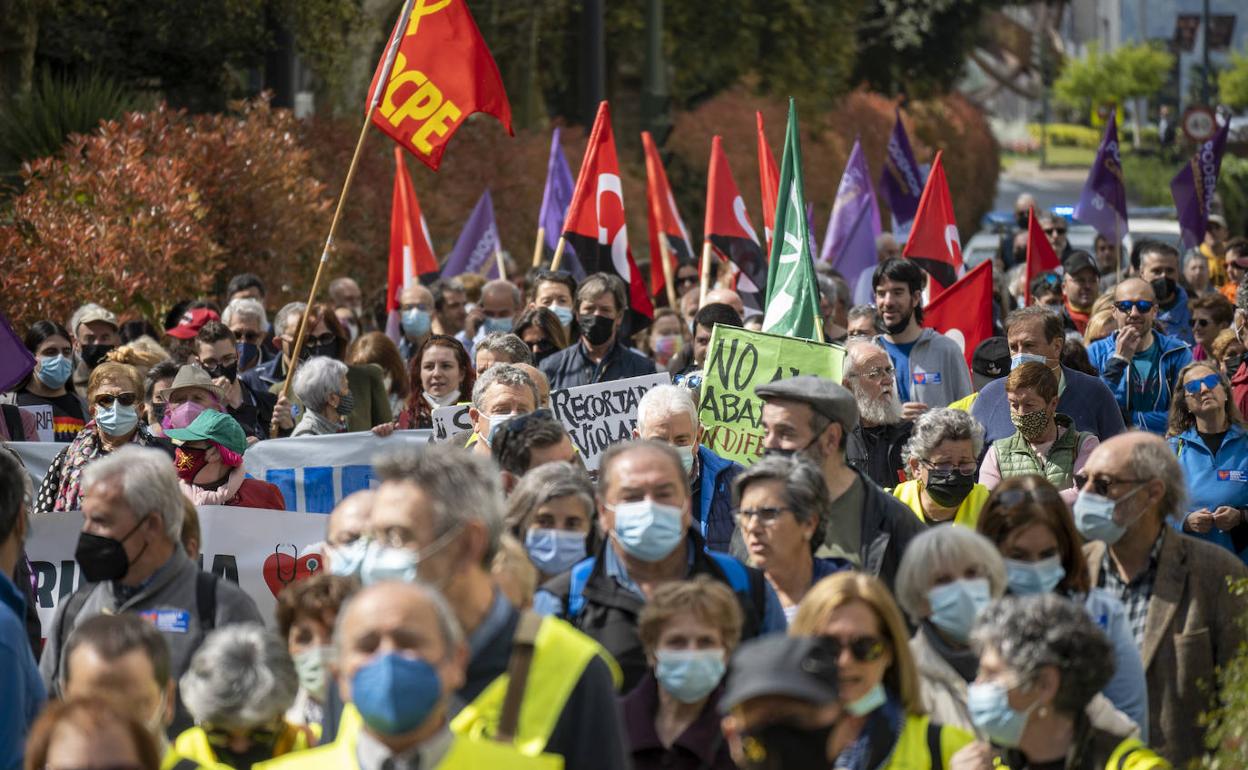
474	250
849	243
1193	188
901	180
555	199
15	360
1103	204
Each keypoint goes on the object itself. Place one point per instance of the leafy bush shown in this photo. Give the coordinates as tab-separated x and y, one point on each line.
1227	735
1067	135
1233	190
1148	179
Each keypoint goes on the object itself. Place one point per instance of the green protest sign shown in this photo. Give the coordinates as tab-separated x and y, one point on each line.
739	361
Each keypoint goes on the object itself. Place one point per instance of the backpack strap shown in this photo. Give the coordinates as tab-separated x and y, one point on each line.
744	582
523	644
579	576
206	600
13	421
933	746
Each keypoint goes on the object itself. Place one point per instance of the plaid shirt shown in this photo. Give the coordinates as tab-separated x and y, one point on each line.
1134	595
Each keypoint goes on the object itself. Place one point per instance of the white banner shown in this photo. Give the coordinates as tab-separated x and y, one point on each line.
43	420
37	455
597	416
260	550
449	420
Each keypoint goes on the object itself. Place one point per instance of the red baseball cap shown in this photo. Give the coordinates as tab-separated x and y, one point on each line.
192	321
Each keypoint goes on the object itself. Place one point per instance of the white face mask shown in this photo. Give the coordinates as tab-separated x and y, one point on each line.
439	401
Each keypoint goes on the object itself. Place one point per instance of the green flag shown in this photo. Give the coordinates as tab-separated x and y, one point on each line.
792	294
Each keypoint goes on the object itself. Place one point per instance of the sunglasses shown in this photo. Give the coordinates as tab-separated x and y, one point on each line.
553	275
686	279
691	381
106	399
1142	305
1055	231
1200	322
1208	382
1101	484
252	337
864	648
220	737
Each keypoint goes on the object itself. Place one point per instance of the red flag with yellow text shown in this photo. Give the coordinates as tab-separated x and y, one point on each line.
442	74
664	220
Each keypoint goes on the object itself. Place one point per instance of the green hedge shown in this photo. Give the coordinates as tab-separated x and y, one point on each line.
1072	135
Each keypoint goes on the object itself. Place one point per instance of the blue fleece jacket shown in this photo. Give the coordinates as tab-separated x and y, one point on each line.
1216	479
1117	373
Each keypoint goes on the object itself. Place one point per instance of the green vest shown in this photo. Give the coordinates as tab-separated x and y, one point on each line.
1016	458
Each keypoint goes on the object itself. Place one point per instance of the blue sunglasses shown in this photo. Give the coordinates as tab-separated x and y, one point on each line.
1209	382
1141	305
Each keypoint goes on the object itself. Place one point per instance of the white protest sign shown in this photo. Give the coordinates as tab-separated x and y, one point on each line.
43	420
449	420
599	415
260	550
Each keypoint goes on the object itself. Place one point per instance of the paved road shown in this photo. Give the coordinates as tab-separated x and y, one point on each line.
1051	187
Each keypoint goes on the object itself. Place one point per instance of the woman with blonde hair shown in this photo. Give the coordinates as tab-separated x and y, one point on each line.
884	721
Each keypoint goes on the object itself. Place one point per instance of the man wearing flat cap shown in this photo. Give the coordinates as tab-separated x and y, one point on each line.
814	416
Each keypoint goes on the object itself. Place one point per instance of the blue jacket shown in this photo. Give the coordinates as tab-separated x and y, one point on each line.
1177	321
1216	479
1116	373
714	511
1086	400
20	684
1127	689
572	367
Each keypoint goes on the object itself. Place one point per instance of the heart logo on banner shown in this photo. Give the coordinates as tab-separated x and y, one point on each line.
283	567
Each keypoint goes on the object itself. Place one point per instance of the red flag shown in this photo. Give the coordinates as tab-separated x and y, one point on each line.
730	232
933	241
411	255
664	220
963	311
769	180
595	224
442	74
1040	255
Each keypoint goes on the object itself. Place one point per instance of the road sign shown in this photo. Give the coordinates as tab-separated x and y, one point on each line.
1199	123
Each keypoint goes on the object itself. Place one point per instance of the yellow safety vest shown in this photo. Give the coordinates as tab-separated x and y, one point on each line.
193	744
464	754
1130	754
915	744
968	512
965	403
173	759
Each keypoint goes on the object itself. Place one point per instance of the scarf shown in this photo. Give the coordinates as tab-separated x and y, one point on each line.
222	495
86	447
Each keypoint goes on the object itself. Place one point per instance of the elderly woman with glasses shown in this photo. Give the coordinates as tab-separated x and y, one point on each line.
321	386
115	408
1041	661
782	508
240	683
885	724
941	458
551	511
1207	434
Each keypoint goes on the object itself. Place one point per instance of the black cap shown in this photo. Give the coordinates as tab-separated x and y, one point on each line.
991	358
802	667
823	395
1080	260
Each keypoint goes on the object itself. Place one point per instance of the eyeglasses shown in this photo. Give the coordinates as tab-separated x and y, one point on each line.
221	737
966	469
1101	484
767	515
328	338
1208	382
864	648
1142	305
251	337
106	399
879	373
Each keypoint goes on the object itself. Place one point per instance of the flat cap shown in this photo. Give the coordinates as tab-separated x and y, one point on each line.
802	667
823	395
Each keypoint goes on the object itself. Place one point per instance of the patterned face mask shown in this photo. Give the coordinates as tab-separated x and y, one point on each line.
1031	424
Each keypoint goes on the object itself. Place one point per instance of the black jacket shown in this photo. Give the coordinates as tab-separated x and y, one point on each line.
876	451
888	526
571	367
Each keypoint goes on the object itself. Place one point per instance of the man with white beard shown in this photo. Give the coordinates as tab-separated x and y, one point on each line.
874	447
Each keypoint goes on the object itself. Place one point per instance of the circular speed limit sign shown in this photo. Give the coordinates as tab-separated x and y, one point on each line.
1199	123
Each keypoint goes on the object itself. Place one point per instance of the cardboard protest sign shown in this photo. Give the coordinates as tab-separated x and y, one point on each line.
597	416
262	551
449	420
739	361
43	420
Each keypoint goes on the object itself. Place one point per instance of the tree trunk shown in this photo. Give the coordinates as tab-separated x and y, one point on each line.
19	31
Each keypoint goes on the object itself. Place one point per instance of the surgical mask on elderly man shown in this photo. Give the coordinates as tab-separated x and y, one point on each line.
648	530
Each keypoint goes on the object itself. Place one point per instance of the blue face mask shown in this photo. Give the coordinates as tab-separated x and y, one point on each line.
54	371
416	322
689	675
874	698
1094	516
345	560
989	706
498	324
248	355
564	314
648	530
554	550
1027	358
955	605
686	457
395	694
116	420
1039	577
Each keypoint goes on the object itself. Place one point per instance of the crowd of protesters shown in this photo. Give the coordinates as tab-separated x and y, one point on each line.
1019	563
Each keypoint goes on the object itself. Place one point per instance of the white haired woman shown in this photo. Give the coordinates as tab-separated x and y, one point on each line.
941	460
321	386
238	688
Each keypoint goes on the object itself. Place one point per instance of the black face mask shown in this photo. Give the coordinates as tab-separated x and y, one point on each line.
1021	219
1164	288
900	326
94	353
782	746
948	488
545	350
158	411
254	755
596	329
104	558
1233	363
228	372
329	350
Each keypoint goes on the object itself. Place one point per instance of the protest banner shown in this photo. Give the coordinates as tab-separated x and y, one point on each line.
262	551
449	420
37	456
737	361
597	416
43	420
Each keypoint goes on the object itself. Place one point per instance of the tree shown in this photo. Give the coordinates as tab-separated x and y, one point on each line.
1129	72
1233	83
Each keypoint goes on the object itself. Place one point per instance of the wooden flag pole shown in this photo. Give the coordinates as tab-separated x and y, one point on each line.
387	69
706	272
558	258
669	278
502	266
537	247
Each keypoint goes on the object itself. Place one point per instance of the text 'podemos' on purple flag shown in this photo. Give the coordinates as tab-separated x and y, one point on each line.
1193	187
1103	204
